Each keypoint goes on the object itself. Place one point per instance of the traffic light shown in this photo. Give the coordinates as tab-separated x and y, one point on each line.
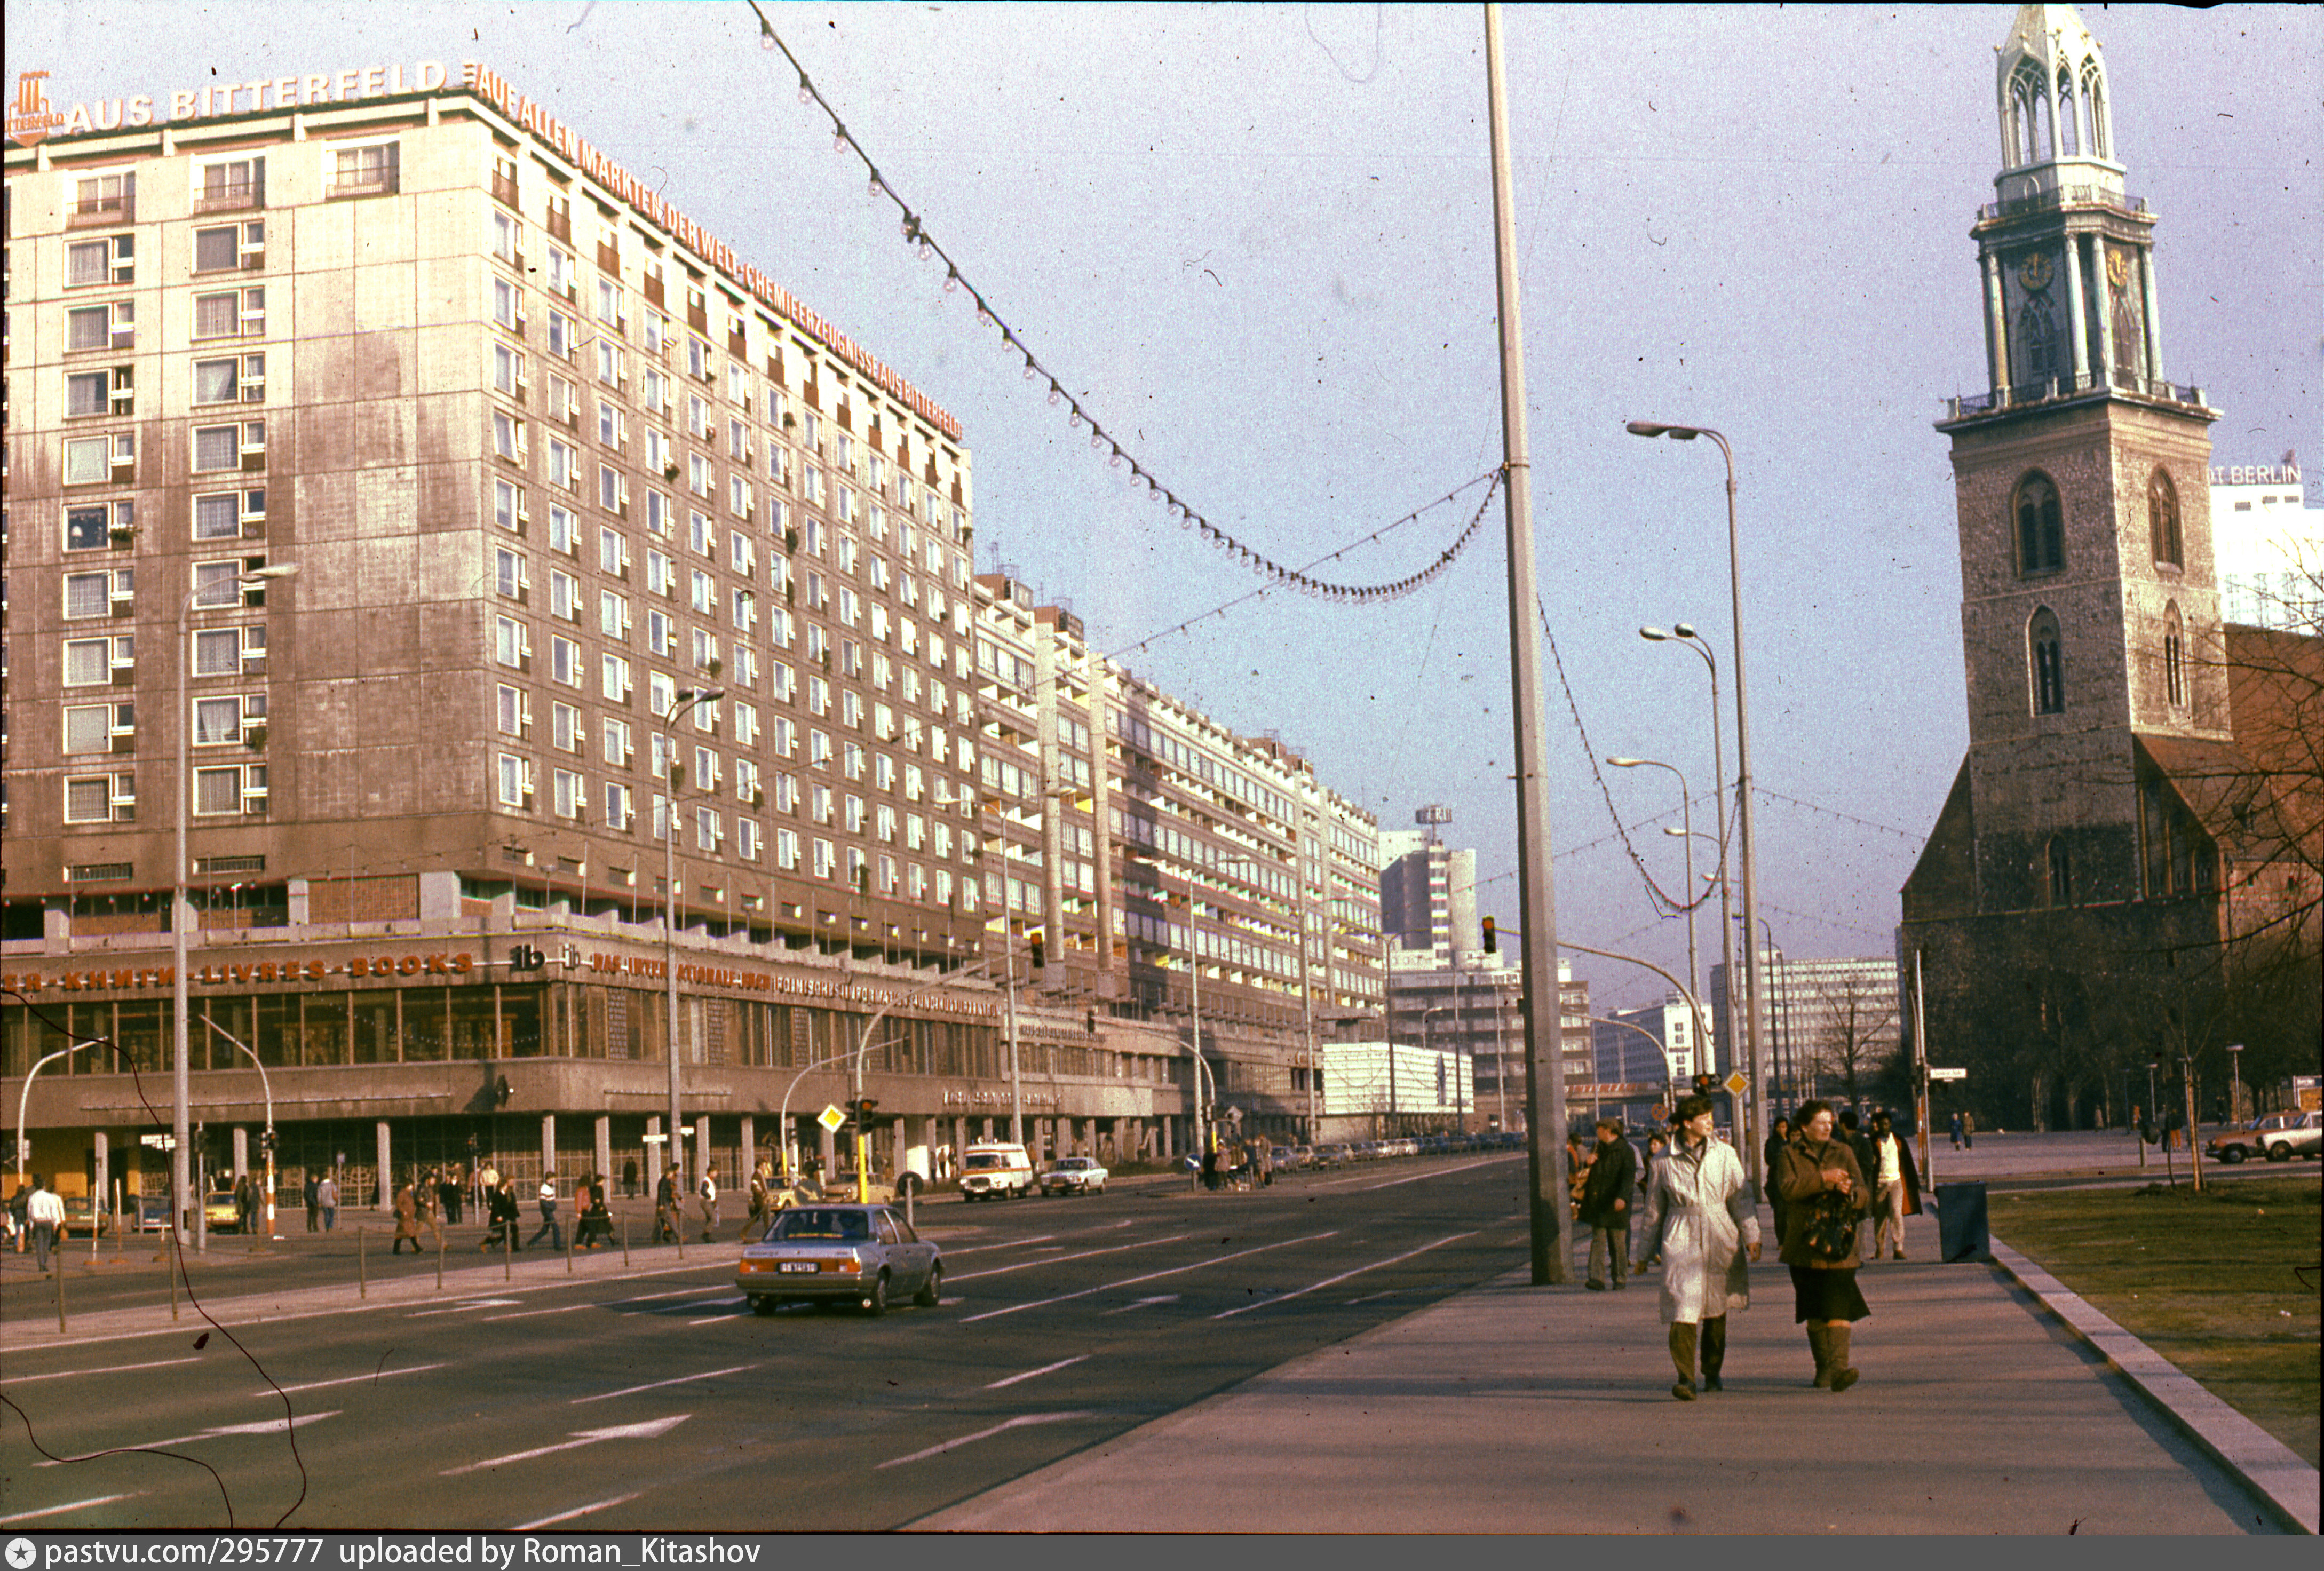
1492	938
1706	1085
860	1111
1037	942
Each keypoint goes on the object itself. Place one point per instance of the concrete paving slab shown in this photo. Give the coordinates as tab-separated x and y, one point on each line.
1513	1408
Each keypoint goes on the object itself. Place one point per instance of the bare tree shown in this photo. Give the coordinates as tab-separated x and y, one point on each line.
1855	1027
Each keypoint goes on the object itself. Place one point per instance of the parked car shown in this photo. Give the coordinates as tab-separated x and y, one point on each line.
152	1214
1283	1159
995	1171
82	1218
221	1213
1073	1176
864	1255
1333	1154
2304	1137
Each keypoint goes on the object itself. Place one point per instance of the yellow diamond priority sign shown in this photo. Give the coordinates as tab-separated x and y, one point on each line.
1736	1085
831	1119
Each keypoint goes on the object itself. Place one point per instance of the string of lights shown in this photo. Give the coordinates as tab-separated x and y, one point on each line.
1669	906
915	233
1492	480
1845	817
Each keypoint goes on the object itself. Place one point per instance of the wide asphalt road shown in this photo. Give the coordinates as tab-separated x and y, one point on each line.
654	1398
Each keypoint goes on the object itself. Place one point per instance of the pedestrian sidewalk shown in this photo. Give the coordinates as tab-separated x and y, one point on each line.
1522	1409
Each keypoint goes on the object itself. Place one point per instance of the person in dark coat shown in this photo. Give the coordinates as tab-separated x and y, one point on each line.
1606	1189
499	1210
1824	1294
1778	1138
1852	1134
1895	1186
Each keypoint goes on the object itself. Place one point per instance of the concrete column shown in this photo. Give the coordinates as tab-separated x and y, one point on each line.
2153	314
386	1200
653	1156
750	1145
103	1146
1997	330
603	1143
547	1145
701	1146
241	1153
2101	282
830	1144
2077	318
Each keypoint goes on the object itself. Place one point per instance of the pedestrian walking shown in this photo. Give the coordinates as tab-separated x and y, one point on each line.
1824	1189
708	1195
327	1197
407	1221
449	1190
1968	1121
665	1216
1777	1138
429	1193
549	1227
488	1179
1577	1171
629	1177
314	1204
1895	1186
1606	1207
596	1222
1658	1148
499	1210
45	1212
1703	1224
246	1205
1957	1131
1860	1143
754	1224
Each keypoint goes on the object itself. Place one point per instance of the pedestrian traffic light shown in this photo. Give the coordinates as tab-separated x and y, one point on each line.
1492	940
1037	942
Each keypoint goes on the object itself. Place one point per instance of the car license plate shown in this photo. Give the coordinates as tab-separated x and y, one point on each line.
798	1265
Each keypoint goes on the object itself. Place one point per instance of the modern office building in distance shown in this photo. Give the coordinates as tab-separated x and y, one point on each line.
1824	1024
2267	541
600	536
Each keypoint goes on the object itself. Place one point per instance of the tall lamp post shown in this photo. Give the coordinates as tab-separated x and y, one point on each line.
181	910
1641	428
1686	812
1686	637
685	698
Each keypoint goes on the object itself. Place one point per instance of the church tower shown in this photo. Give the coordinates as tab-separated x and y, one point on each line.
2090	612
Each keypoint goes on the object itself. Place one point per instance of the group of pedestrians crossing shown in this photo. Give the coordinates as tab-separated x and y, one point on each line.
1839	1196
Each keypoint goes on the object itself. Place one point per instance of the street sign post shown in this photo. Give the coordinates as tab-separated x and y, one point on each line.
1936	1074
830	1118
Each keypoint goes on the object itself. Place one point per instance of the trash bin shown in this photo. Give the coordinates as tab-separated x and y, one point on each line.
1962	1232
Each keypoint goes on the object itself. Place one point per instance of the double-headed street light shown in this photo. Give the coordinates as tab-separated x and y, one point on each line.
206	593
673	773
1641	428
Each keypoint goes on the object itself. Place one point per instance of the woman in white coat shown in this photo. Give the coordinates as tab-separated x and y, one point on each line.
1701	1220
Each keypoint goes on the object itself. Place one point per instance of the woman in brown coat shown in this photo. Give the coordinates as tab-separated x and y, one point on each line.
407	1221
1824	1294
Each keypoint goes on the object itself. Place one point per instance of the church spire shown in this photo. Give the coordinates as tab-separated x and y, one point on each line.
2050	90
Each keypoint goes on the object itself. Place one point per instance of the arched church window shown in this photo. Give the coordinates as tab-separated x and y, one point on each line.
2046	659
2094	108
2174	656
2029	116
2062	872
2163	518
2069	119
2040	526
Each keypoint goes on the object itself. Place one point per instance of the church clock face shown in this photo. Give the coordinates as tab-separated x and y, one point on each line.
2117	268
2034	273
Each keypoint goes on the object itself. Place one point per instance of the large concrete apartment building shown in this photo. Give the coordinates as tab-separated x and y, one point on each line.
600	536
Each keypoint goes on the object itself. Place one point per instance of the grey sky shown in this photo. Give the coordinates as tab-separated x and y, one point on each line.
1257	242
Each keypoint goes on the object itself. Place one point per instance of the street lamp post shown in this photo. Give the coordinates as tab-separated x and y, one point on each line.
1686	812
181	910
674	774
2235	1084
1685	637
1640	428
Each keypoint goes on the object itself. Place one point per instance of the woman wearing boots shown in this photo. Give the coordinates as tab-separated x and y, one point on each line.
1823	1290
1700	1220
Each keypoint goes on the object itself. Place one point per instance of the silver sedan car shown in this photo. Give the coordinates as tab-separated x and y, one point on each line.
864	1255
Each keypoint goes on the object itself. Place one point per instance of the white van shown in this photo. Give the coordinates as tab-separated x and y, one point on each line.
995	1171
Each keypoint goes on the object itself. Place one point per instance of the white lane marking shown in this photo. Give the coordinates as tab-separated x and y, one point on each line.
529	1314
631	1391
1146	1303
719	1304
648	1430
579	1511
1011	1244
57	1511
1150	1276
116	1369
1439	1173
316	1385
1061	1259
465	1309
1016	1423
1343	1276
1044	1369
218	1432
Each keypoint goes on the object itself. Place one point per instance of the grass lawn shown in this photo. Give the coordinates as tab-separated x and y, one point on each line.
2223	1284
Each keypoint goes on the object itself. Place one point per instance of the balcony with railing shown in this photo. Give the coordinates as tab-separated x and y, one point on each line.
2057	198
2067	389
